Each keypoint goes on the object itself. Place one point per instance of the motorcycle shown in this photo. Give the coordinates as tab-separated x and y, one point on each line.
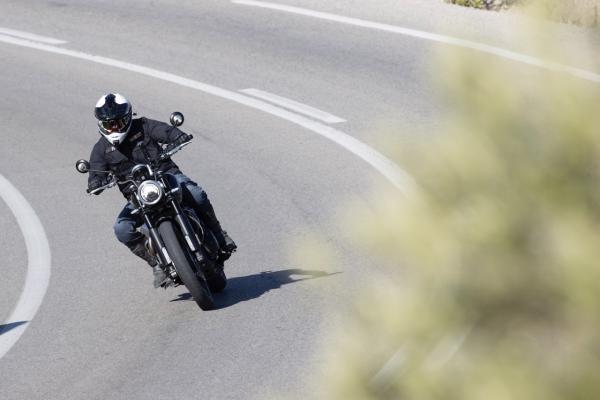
183	246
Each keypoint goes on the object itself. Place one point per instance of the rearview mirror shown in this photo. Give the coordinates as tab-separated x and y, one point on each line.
177	118
82	166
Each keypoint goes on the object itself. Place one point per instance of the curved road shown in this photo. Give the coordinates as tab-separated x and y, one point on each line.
102	330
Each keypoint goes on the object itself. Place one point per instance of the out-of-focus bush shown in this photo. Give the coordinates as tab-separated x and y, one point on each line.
496	294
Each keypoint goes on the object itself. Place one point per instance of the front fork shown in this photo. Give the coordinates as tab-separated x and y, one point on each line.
159	245
186	230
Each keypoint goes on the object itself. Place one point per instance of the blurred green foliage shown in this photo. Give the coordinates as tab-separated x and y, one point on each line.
496	294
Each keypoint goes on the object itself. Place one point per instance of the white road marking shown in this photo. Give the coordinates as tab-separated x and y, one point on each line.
38	265
31	36
434	37
378	161
294	106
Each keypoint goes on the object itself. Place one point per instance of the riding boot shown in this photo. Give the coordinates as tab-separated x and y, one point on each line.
139	249
207	214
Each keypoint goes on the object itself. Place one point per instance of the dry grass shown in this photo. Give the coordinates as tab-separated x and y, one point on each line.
579	12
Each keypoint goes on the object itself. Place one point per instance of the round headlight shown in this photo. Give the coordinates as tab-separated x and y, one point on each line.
150	192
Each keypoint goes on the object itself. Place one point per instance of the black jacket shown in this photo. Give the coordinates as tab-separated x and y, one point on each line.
120	159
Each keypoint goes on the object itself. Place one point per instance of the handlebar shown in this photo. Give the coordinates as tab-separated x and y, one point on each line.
174	150
114	181
110	184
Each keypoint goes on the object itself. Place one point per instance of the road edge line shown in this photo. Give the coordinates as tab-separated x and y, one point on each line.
38	264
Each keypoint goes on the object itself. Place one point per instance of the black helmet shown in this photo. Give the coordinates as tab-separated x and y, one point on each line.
113	113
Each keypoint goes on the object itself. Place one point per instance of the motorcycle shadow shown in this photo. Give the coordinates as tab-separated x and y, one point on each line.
244	288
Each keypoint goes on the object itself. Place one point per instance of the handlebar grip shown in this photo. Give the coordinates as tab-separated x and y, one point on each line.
100	189
95	191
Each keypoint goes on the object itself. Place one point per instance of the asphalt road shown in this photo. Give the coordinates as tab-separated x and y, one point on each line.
102	330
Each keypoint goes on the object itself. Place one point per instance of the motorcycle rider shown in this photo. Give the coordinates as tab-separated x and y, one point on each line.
126	141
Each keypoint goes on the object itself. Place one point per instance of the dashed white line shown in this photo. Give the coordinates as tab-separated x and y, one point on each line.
294	106
378	161
38	265
31	36
434	37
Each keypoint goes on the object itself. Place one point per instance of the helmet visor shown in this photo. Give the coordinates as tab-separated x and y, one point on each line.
115	125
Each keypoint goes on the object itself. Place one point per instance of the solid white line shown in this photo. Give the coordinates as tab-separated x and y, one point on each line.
382	164
294	106
31	36
453	41
38	264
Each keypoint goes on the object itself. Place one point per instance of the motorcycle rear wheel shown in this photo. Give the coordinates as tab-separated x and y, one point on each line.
181	258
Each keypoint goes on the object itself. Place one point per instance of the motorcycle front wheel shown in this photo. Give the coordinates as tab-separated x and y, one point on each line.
184	266
216	279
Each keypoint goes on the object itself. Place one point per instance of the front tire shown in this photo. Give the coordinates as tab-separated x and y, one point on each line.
181	258
216	279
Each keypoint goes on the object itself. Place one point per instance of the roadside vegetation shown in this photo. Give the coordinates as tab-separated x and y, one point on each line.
579	12
487	4
492	288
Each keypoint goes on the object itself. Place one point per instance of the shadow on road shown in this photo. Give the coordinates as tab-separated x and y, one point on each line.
7	327
244	288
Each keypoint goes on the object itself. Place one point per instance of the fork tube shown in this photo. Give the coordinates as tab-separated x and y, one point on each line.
157	241
186	229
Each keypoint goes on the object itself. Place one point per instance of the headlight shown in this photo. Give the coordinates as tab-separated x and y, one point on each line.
150	192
